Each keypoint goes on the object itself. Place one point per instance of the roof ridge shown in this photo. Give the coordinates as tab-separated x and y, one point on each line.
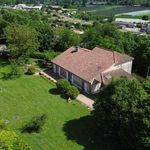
82	48
110	50
97	46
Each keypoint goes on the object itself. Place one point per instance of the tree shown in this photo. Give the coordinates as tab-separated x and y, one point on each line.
142	55
122	110
9	140
45	36
65	38
91	38
146	85
105	35
145	18
22	41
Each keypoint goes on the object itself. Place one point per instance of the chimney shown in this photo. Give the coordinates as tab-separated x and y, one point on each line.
114	57
77	48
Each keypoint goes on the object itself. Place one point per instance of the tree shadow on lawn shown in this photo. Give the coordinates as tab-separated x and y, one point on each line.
55	91
83	131
5	76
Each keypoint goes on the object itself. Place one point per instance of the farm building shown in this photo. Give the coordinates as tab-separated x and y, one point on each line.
25	7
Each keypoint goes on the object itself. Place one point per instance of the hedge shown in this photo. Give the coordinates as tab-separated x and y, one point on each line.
31	70
46	55
72	92
62	85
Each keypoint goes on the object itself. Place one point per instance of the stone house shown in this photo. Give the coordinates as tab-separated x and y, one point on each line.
90	69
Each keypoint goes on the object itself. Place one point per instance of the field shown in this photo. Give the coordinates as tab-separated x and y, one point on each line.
136	13
66	127
113	10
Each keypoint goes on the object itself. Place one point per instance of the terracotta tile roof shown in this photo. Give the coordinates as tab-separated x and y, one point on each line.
115	74
89	64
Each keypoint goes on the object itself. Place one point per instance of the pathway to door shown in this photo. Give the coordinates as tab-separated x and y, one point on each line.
86	101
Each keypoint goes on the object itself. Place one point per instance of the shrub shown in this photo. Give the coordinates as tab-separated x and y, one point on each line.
146	85
31	70
72	92
145	17
2	125
39	55
62	85
46	55
35	125
16	70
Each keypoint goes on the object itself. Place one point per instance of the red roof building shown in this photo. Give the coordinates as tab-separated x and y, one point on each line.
90	69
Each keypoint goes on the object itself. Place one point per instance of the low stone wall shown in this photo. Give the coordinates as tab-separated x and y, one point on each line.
47	76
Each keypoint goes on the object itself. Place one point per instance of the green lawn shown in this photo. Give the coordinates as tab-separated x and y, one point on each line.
28	96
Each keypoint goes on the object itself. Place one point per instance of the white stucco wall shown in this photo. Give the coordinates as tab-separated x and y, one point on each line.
95	88
127	66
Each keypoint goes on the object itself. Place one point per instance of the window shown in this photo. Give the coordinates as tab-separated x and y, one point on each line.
77	81
63	72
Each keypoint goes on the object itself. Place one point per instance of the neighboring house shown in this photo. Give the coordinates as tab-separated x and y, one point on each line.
130	23
25	7
122	24
91	69
4	51
134	21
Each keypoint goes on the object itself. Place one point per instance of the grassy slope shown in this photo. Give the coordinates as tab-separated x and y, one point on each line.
29	96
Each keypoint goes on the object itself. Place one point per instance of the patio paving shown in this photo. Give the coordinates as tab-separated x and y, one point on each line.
86	101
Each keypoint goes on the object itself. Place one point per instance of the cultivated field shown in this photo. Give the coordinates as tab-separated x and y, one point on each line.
113	10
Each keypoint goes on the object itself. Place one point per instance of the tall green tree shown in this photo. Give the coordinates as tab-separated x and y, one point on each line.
91	38
65	38
142	56
22	41
146	85
45	37
122	111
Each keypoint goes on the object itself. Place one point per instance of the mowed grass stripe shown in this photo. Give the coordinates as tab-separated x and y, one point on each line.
29	96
